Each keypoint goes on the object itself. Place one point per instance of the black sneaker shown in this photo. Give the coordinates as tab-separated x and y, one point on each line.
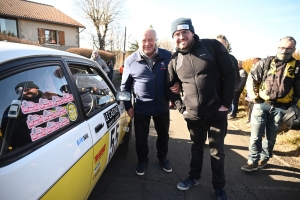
249	167
187	183
221	194
141	169
262	164
166	166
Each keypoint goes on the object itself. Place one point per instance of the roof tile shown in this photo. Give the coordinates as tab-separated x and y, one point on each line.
36	11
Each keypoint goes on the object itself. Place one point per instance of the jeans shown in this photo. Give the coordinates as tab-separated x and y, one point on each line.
265	121
216	127
141	126
250	105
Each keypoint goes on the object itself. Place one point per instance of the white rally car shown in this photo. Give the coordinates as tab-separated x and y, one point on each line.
61	122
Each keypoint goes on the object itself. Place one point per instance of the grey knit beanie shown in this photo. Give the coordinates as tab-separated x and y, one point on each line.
182	23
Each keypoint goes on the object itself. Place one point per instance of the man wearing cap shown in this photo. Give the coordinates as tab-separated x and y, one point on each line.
28	91
97	58
145	72
205	70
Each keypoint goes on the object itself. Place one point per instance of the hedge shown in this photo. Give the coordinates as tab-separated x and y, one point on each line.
106	56
4	37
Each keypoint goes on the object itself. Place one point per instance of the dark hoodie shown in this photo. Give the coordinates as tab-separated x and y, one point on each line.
208	83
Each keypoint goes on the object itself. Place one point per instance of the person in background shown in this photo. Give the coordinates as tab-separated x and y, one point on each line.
250	103
222	38
238	90
97	58
207	82
273	86
111	69
121	70
145	72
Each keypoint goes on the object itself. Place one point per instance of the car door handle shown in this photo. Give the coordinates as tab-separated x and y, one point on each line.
99	127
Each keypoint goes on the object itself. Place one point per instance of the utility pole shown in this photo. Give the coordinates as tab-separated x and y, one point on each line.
124	51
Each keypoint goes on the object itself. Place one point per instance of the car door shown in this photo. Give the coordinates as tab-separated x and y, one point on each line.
45	141
107	118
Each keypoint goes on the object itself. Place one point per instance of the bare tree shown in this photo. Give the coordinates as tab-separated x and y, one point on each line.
102	14
166	43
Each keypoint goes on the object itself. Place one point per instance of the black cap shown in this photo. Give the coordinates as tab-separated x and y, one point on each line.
25	84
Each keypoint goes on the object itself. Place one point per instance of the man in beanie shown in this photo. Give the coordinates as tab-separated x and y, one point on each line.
205	70
28	91
145	72
97	58
273	86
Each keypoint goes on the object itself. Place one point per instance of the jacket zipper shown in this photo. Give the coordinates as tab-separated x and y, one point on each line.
154	87
198	96
155	93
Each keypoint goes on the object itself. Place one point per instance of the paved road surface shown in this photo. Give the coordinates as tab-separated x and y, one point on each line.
277	181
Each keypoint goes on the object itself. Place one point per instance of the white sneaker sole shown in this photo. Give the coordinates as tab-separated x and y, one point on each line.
140	174
167	170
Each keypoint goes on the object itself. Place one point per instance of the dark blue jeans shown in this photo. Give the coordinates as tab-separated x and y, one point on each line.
216	127
141	126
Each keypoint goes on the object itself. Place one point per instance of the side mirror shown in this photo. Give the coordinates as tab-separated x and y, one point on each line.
123	96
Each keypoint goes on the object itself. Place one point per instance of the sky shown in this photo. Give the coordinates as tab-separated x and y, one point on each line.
252	27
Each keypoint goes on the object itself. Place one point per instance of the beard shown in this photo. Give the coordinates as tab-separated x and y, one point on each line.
30	96
187	46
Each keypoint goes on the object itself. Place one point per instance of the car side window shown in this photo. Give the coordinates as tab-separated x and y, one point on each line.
35	104
94	91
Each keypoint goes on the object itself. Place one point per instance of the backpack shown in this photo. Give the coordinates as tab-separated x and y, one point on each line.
291	119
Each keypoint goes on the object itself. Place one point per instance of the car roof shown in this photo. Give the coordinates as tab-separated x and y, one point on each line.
11	50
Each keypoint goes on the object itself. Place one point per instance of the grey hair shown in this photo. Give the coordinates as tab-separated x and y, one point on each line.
289	38
150	29
220	36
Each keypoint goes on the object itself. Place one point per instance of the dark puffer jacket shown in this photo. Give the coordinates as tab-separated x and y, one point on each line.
207	80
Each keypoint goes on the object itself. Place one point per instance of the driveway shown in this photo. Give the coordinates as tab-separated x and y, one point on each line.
277	181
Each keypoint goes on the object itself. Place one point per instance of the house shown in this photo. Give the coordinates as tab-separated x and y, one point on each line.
39	23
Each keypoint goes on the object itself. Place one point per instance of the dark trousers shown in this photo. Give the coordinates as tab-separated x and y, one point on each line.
215	126
235	103
141	126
